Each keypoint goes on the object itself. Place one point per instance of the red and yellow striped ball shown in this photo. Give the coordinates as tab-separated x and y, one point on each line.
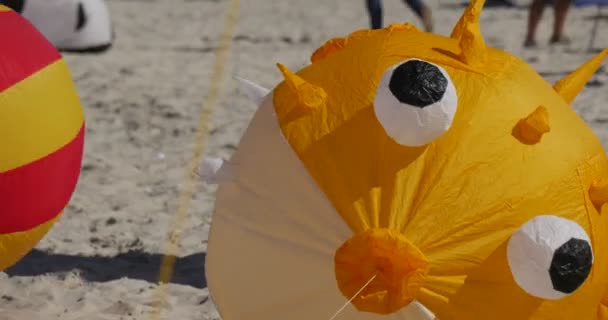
41	136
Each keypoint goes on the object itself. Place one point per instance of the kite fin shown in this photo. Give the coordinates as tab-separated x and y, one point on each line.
254	91
210	169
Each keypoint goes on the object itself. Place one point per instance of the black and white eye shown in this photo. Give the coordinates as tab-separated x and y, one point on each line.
550	257
415	102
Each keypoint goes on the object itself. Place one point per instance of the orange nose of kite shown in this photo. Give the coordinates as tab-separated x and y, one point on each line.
396	267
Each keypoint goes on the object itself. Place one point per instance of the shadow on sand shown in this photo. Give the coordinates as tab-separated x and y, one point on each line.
188	270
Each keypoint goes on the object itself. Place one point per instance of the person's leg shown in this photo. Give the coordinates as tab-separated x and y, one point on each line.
374	8
561	11
536	11
423	12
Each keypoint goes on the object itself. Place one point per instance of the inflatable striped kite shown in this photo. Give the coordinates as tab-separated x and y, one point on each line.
41	136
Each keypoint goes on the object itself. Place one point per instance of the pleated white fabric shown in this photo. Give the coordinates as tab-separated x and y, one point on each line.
274	235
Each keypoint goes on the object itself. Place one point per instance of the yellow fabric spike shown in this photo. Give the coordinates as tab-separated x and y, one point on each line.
598	193
572	84
402	27
306	94
337	44
531	128
468	33
328	48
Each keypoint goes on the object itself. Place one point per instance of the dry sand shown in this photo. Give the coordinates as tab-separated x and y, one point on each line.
142	101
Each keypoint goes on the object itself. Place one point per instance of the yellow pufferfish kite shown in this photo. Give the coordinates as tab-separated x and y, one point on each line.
407	175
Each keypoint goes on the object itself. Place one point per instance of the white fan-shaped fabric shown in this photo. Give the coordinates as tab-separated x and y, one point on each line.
274	235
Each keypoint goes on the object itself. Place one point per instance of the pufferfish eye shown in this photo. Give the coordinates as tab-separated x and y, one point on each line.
550	256
415	102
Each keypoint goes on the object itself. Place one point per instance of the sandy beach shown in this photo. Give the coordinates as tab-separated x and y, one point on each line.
142	101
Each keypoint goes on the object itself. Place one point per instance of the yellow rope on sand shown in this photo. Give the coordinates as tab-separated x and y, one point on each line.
191	179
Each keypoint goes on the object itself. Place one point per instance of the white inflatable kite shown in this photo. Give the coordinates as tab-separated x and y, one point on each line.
70	25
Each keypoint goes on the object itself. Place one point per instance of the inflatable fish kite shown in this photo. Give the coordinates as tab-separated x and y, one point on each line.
407	175
41	136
